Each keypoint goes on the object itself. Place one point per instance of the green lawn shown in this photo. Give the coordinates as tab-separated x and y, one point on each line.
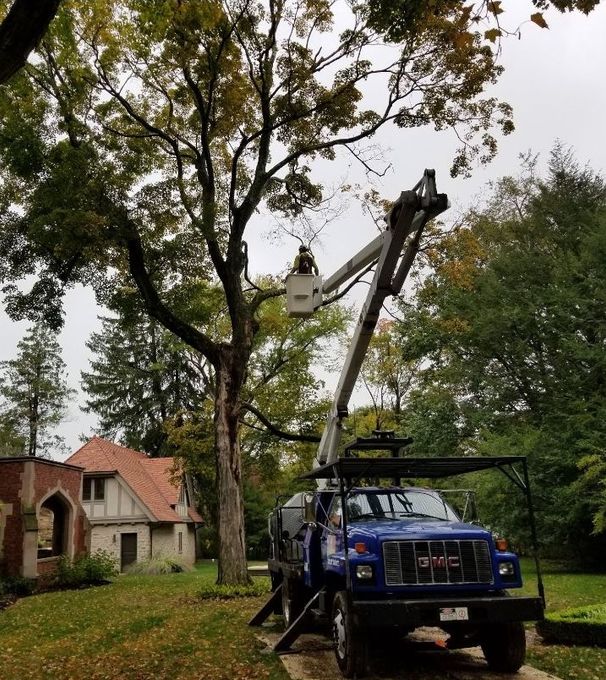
139	627
144	627
563	590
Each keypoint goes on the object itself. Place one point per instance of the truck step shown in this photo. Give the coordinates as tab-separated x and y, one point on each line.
320	616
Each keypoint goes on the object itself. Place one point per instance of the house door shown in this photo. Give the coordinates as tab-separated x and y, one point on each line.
128	550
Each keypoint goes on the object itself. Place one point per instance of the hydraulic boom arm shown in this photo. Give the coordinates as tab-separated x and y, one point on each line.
406	219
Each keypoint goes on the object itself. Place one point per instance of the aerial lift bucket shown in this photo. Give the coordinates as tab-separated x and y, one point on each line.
303	294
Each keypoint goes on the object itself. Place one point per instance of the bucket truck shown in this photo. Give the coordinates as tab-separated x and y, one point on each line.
374	562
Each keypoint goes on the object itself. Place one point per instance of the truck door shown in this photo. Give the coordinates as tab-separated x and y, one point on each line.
332	536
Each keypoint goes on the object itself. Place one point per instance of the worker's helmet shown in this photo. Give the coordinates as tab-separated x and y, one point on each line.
303	249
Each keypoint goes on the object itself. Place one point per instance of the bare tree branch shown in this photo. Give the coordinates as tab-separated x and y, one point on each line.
346	290
271	428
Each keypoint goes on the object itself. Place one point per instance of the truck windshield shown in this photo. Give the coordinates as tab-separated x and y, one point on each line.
397	504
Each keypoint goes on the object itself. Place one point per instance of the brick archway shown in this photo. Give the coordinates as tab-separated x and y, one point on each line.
54	519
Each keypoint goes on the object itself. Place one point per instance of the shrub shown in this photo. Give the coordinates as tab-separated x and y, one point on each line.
87	570
584	626
212	591
159	564
17	585
206	538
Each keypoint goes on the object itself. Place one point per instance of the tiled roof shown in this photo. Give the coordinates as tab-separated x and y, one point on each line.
149	478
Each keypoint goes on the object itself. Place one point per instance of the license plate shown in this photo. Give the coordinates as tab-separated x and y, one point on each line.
454	614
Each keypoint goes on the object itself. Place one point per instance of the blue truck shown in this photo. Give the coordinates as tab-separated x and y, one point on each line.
372	563
368	556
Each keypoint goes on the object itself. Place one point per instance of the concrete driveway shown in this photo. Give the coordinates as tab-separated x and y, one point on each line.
312	658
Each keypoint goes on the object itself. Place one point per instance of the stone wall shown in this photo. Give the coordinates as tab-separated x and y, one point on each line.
165	542
107	537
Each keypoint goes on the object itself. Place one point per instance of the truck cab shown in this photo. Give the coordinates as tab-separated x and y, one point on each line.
409	539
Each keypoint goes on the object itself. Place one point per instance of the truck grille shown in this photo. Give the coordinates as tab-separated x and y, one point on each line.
432	562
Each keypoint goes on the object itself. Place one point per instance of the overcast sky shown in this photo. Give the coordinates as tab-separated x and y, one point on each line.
553	78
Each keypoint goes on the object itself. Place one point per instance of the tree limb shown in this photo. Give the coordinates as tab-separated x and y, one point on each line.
21	31
346	290
157	309
288	436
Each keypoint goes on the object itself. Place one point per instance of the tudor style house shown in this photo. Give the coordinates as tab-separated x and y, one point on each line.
136	506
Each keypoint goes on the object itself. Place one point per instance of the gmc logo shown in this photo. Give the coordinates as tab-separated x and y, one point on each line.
439	562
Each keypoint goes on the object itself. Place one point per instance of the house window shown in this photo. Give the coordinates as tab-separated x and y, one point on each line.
180	542
99	489
86	489
93	489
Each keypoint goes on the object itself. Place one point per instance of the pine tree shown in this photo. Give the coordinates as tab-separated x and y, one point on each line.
34	392
140	377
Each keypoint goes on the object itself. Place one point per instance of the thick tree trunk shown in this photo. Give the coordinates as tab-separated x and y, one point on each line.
21	30
232	545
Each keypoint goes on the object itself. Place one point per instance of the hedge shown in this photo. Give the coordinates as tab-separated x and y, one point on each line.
585	626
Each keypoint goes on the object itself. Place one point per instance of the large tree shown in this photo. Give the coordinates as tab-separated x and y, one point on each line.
510	327
154	394
148	134
34	393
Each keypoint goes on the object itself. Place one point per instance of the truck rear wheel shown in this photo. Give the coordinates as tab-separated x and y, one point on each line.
504	646
292	601
351	648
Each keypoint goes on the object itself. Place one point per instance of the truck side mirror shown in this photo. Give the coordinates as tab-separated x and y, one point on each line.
309	508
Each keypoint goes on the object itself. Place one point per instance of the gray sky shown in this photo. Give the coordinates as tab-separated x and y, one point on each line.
553	78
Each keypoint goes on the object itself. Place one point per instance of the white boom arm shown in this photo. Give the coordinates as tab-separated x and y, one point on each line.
407	218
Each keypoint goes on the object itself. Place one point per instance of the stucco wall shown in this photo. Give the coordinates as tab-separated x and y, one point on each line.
165	541
119	502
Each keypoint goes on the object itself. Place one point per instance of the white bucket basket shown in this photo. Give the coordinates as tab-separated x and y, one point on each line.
303	294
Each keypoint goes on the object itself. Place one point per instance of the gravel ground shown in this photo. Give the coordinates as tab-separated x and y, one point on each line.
312	658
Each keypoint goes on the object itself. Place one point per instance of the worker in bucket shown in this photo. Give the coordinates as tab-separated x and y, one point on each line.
304	262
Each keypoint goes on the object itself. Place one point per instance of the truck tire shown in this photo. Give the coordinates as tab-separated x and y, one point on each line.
504	646
351	648
292	601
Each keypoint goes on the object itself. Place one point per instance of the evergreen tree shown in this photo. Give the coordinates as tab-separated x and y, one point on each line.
34	393
141	377
510	327
11	443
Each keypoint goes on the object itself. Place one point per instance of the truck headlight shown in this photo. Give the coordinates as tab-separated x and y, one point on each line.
364	572
507	569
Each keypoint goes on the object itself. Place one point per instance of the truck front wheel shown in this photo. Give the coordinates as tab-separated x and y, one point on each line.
504	646
351	648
